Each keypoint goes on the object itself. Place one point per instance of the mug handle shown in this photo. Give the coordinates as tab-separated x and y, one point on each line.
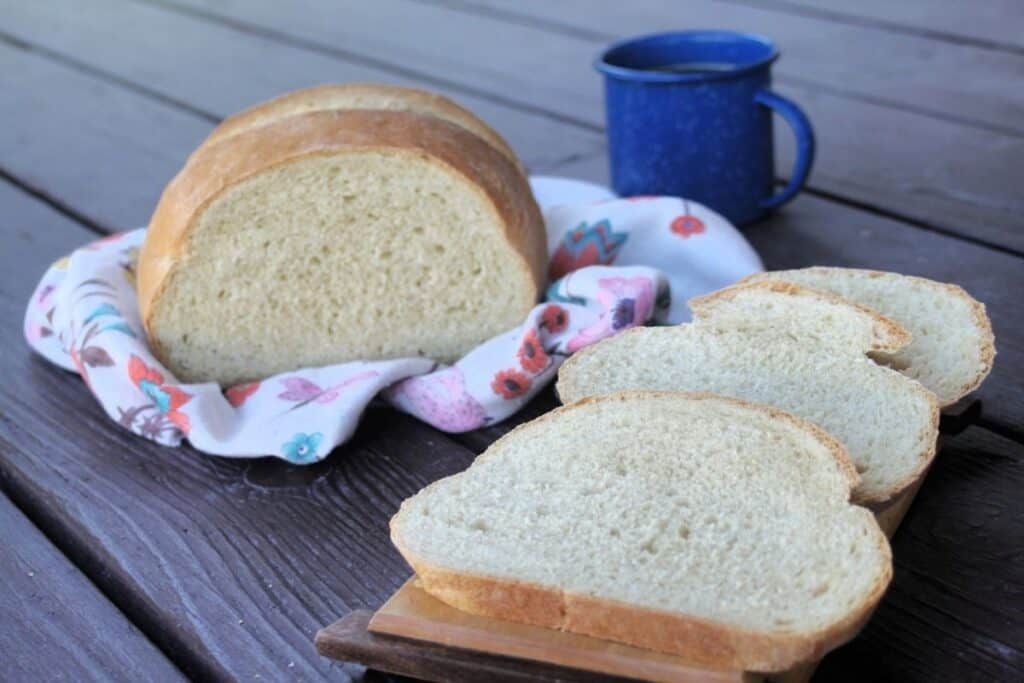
801	126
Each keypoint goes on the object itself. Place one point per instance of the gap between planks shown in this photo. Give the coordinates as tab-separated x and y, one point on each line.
54	203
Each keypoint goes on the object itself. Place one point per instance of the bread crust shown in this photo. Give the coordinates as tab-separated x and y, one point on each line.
873	502
702	641
217	167
893	338
325	97
978	312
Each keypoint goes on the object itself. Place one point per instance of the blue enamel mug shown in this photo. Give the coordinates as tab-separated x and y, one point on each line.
689	114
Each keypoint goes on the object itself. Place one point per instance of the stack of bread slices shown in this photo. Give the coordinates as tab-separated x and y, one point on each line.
707	490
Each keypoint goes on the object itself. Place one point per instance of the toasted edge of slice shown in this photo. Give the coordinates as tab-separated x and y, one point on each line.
698	639
884	334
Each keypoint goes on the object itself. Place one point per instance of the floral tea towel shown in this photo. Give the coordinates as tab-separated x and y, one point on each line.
614	264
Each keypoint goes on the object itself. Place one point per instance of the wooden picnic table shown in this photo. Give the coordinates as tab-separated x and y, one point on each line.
129	560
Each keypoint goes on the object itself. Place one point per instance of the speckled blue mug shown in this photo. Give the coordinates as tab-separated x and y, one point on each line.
689	114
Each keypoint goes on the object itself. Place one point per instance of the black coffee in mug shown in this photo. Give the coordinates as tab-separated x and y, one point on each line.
693	67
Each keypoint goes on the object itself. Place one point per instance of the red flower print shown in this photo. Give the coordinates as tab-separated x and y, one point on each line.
532	356
237	394
554	319
510	383
687	225
167	399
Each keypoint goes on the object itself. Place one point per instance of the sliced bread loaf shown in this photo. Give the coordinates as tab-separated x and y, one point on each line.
333	236
785	308
383	96
692	524
888	423
953	347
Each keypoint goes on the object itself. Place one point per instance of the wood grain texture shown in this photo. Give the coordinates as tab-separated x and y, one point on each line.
993	24
232	566
55	625
164	51
813	231
873	149
955	609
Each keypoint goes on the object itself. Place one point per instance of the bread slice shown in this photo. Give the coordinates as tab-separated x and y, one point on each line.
335	236
702	526
829	319
953	347
382	96
888	423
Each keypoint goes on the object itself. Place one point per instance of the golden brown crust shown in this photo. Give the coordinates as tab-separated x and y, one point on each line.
215	168
981	319
893	337
700	640
988	345
333	96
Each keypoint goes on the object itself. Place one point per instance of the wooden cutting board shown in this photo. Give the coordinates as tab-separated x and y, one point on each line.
413	634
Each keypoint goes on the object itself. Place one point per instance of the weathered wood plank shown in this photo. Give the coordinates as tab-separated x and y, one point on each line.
932	168
232	565
198	63
955	610
813	231
995	24
55	625
102	149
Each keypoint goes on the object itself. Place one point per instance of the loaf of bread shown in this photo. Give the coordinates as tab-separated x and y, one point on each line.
810	361
953	347
707	527
307	238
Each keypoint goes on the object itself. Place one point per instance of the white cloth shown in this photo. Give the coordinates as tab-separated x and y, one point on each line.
615	263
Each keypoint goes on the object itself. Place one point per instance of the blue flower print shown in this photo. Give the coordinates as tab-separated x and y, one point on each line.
100	311
302	448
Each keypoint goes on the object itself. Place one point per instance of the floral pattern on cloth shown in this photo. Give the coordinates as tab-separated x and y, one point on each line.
616	264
